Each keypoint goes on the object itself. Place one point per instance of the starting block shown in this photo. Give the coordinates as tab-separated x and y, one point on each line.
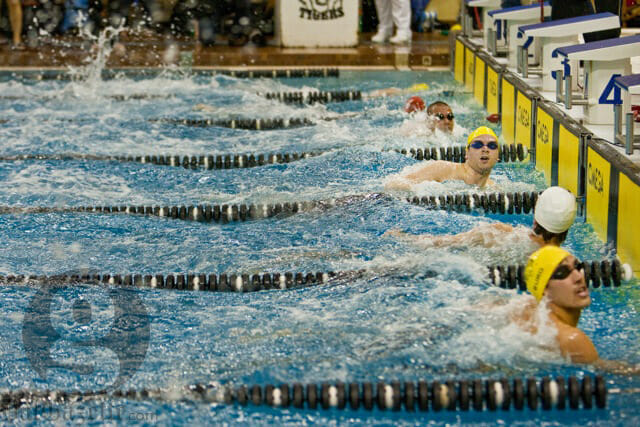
628	85
486	5
604	60
507	21
555	34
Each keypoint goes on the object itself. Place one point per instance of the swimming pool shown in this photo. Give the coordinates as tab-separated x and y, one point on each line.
396	321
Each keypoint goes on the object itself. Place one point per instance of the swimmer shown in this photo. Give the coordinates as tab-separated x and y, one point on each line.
555	278
554	214
441	117
481	156
392	91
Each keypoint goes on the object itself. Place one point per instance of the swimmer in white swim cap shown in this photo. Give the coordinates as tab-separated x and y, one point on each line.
554	213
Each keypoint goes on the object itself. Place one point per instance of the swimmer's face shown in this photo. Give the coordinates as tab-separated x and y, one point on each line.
441	118
567	287
482	159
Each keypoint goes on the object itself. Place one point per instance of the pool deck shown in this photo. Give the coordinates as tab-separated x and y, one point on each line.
427	50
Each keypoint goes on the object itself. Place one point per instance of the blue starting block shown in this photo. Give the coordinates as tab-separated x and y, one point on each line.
628	86
604	60
555	34
505	23
486	5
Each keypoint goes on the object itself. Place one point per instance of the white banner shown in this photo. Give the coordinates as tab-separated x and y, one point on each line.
317	23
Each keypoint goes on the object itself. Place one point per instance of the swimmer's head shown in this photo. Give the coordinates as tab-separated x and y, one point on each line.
413	104
540	267
483	150
441	116
554	214
482	130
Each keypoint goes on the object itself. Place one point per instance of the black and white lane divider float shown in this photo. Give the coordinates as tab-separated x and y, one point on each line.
456	153
314	97
109	73
511	203
605	273
62	97
546	393
597	273
238	123
231	161
211	161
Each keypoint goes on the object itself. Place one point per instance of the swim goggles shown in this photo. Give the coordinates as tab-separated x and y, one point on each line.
477	144
441	116
563	270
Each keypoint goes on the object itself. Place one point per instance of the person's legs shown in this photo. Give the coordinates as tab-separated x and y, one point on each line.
385	21
402	20
15	17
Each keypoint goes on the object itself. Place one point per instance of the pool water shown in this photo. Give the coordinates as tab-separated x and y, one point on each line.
396	321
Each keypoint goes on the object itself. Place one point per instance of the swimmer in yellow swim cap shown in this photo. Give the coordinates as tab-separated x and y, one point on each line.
481	156
556	275
556	280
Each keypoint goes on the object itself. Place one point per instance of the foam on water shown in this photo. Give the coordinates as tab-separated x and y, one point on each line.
415	312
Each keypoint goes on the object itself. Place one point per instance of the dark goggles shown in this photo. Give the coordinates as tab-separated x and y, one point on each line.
479	144
563	271
441	116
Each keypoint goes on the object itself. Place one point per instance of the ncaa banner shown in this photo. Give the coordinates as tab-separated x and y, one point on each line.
317	23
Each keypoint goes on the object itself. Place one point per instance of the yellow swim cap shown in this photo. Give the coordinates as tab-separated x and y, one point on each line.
418	87
482	130
540	266
456	27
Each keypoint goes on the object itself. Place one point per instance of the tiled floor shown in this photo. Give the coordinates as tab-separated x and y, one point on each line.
426	50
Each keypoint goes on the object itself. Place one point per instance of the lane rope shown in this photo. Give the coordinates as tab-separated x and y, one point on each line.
211	161
547	393
228	161
457	153
314	97
241	74
605	273
238	123
133	96
510	203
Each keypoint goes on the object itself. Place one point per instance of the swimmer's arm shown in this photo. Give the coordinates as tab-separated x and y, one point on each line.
436	171
478	236
390	91
426	240
578	346
204	107
617	367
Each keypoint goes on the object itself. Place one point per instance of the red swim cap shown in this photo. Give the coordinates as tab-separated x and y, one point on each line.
494	118
415	103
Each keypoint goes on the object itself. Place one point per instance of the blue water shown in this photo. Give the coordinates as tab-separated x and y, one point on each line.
396	322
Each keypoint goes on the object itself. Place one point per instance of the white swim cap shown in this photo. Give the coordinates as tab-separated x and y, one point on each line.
555	209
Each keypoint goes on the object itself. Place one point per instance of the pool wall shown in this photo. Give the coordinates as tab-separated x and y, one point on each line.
605	181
